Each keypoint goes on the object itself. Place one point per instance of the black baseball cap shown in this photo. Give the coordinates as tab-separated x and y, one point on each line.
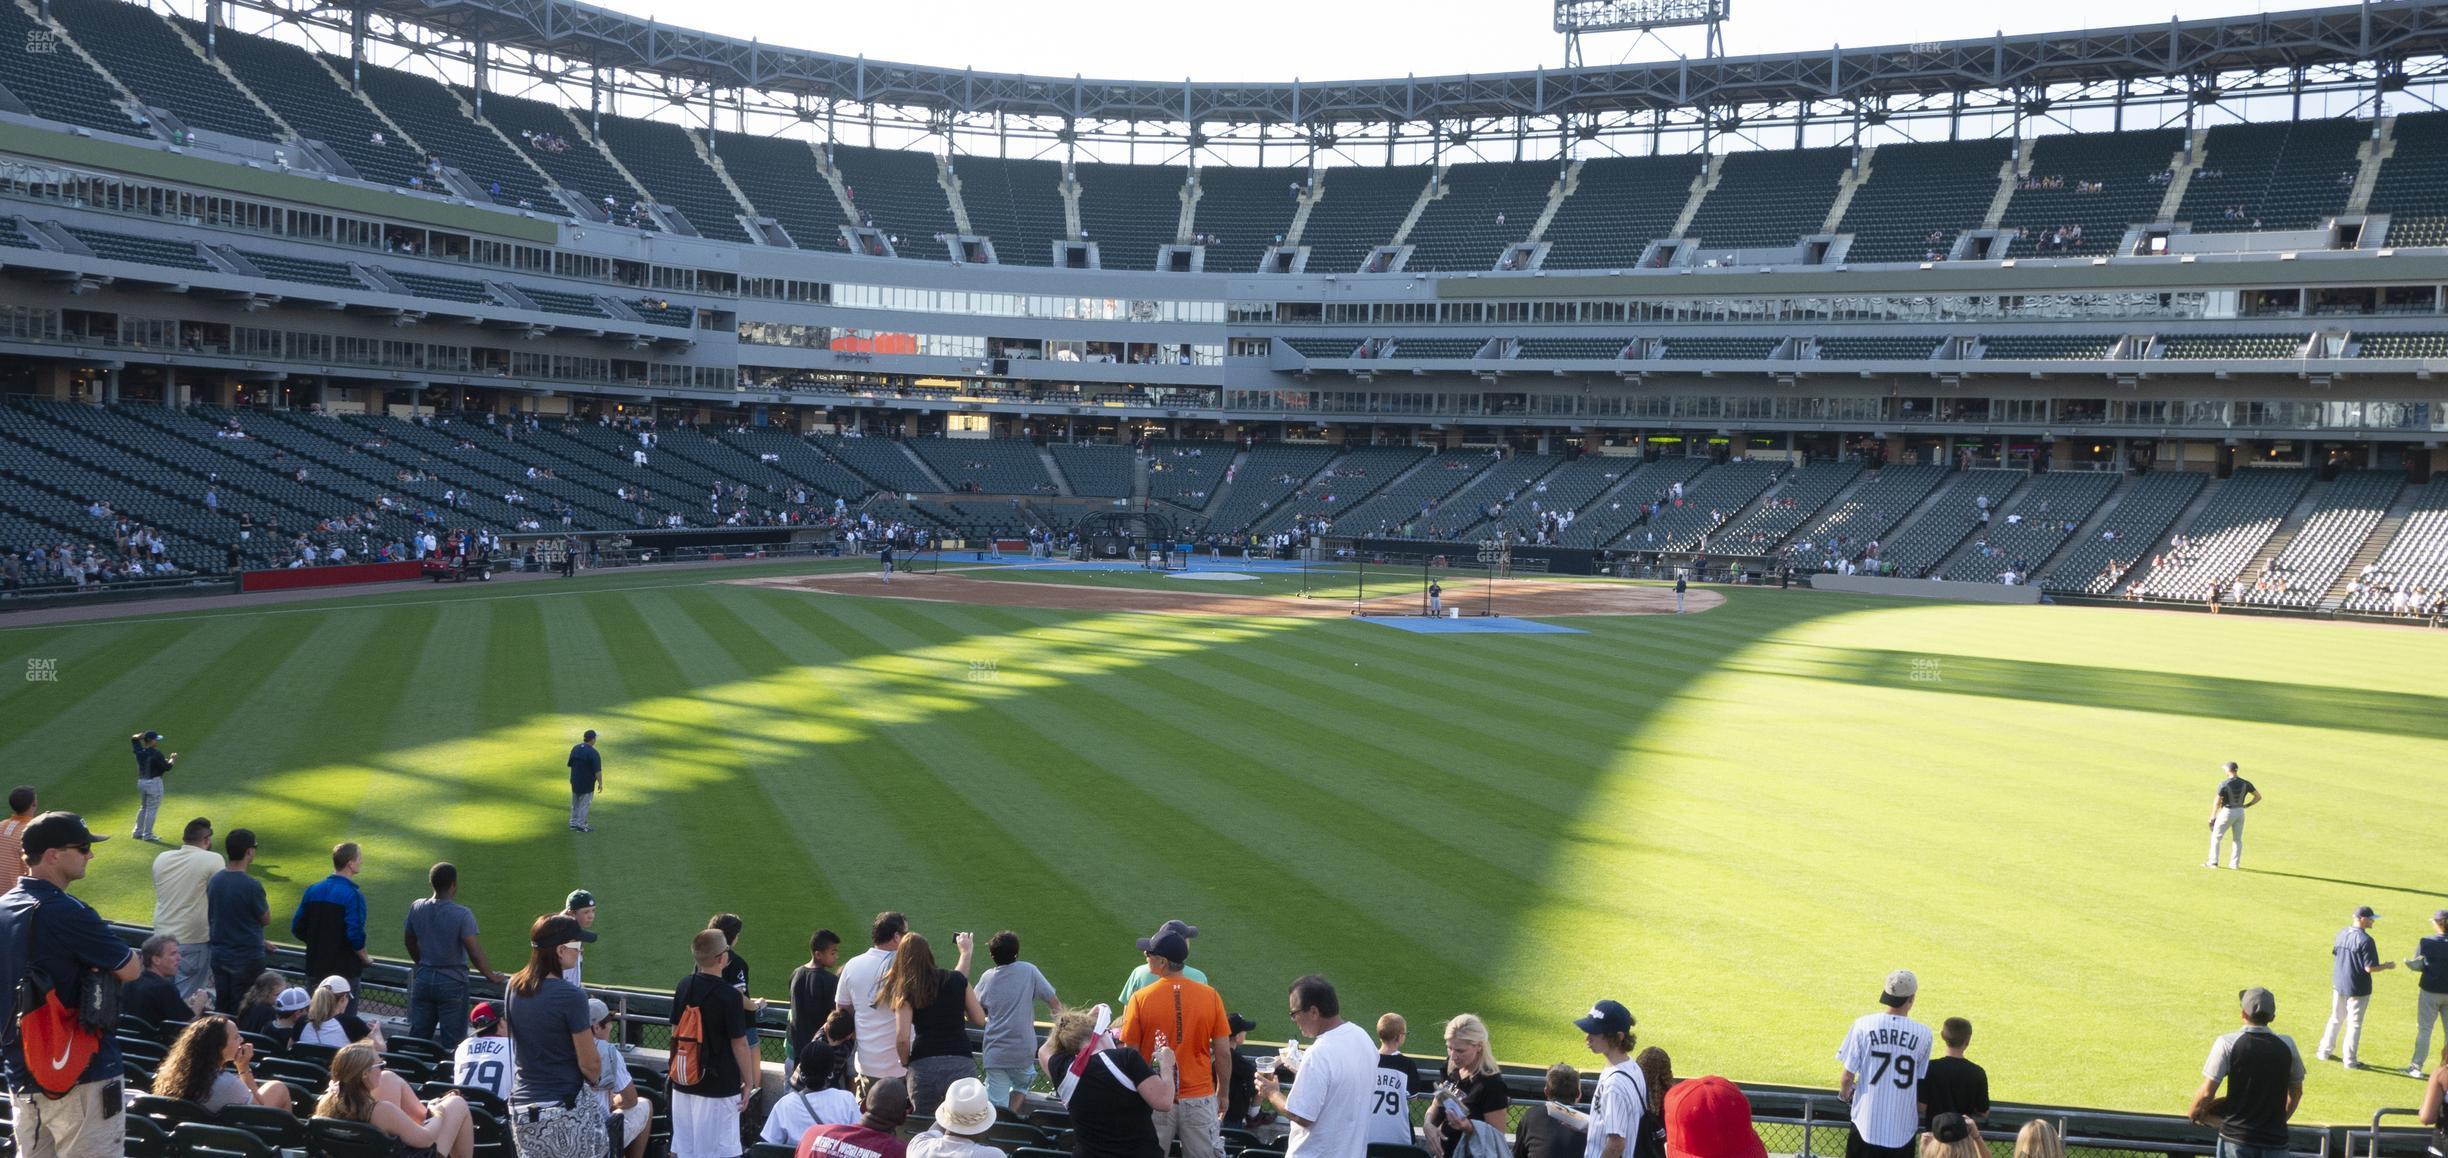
562	930
1238	1023
579	899
55	830
149	734
1169	946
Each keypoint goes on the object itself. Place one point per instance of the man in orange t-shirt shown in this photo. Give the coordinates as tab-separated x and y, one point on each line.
12	833
1187	1018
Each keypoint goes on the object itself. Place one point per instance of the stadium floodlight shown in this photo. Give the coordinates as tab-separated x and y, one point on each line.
1574	16
1578	18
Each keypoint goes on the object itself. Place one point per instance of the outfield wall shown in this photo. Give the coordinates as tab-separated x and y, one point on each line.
1925	588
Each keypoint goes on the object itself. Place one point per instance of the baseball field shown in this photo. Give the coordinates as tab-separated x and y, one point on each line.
1736	821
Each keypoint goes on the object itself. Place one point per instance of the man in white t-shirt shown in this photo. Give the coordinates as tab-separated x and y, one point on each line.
1884	1056
1623	1091
1329	1103
879	1054
483	1058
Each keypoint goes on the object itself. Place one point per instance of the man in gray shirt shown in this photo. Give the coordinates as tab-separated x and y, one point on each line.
1010	992
441	937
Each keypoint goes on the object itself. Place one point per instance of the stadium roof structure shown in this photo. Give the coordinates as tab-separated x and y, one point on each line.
2362	50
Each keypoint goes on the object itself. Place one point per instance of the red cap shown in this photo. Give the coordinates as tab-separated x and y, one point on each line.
1710	1118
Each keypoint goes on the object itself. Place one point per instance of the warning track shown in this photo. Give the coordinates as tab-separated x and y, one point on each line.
1528	598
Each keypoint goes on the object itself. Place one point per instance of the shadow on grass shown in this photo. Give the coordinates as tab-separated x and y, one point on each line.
2414	892
2210	697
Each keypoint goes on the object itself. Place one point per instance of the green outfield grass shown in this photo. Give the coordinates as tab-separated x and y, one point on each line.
1736	822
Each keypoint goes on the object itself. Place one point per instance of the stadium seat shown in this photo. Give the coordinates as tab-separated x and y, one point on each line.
431	114
1797	497
1865	517
2337	527
1920	188
664	158
2104	183
314	102
146	1138
2031	527
169	1112
1361	208
2414	560
1241	210
1618	206
898	188
1395	1150
337	1138
204	1140
1924	541
148	55
1460	230
1342	485
278	1129
1406	504
58	84
1128	210
783	177
2145	509
1016	204
2413	184
1769	199
2242	513
1094	469
2273	174
574	161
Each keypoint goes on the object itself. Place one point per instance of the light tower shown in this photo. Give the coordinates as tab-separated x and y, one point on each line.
1574	18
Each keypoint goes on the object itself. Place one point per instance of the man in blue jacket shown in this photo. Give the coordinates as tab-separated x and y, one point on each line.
2431	960
331	920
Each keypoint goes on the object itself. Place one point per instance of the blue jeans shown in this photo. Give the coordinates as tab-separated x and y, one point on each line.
438	1005
2227	1149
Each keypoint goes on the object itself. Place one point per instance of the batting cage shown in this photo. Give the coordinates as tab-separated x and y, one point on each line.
1142	536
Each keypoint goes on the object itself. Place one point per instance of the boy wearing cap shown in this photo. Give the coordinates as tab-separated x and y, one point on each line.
1623	1091
62	937
1183	1017
152	764
2354	958
626	1115
2264	1074
580	907
485	1058
1885	1055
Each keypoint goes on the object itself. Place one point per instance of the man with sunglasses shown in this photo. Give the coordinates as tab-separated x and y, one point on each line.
63	938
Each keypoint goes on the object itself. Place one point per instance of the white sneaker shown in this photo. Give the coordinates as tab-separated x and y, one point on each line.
2325	1055
2414	1071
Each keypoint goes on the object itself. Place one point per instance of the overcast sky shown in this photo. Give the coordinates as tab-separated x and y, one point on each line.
1347	39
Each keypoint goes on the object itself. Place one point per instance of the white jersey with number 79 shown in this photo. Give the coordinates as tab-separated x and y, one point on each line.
1886	1055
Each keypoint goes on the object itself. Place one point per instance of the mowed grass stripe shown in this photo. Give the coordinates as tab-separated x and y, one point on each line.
73	742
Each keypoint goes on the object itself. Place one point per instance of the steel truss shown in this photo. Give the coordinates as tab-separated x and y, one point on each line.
2145	76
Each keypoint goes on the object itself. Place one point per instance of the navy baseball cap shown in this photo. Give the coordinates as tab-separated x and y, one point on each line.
1169	946
2362	911
55	830
1605	1017
2440	917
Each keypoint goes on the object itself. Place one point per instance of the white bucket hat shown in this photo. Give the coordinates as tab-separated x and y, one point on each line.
965	1109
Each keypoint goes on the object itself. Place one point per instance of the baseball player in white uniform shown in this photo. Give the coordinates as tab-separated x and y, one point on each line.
2235	794
1884	1056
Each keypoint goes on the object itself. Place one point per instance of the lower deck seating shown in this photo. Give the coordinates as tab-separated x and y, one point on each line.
1096	469
2144	511
2337	527
2411	573
2023	535
2208	552
1851	527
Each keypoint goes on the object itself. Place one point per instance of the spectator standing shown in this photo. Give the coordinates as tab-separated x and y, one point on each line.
1622	1093
814	1099
875	1135
706	1112
966	1112
2227	805
331	919
812	990
2431	1000
21	809
1141	976
1552	1129
1885	1055
1010	993
180	877
554	1047
152	764
1657	1078
485	1057
154	995
1111	1091
1328	1106
879	1055
1955	1084
2264	1075
440	936
1390	1110
1470	1080
235	916
932	1009
1708	1117
735	967
627	1116
1183	1020
580	907
586	779
2354	958
62	937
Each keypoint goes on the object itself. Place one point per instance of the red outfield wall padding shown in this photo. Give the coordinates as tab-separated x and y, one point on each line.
342	576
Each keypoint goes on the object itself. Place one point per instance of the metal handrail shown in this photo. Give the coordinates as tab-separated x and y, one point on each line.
2372	1136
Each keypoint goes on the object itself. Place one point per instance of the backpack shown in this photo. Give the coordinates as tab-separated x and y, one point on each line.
687	1066
58	1040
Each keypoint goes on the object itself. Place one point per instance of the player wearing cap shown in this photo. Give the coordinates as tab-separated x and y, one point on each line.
586	779
1884	1056
62	937
485	1058
2431	1003
2235	794
580	907
1622	1094
152	764
2354	958
2264	1074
